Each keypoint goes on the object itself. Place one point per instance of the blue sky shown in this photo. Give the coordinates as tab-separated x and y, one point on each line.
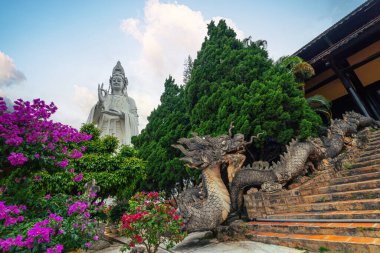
60	50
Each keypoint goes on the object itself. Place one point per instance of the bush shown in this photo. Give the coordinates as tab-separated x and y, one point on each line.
33	147
150	221
65	223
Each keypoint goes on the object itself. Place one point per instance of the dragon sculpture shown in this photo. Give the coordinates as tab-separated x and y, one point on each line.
206	206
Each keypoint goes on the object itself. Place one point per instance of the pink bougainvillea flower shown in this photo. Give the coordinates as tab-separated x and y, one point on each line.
64	163
76	154
17	159
78	178
77	207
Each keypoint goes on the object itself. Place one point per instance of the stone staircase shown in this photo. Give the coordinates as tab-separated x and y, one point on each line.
348	203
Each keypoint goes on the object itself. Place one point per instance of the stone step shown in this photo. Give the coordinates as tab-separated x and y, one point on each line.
319	243
356	214
367	158
354	186
374	138
375	134
371	148
355	178
366	163
374	142
369	153
346	205
339	196
362	170
317	228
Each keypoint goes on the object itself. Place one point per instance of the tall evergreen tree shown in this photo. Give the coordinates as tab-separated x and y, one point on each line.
231	81
189	63
167	124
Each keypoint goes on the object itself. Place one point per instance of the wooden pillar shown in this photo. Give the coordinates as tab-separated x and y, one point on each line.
350	89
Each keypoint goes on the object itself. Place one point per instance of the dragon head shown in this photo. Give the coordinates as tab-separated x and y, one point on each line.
202	152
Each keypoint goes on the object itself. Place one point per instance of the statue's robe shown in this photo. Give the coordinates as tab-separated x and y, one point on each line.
123	129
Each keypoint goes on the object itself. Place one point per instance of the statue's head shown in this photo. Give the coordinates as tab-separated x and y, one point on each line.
118	80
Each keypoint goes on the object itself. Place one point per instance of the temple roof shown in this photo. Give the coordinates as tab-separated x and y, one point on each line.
356	27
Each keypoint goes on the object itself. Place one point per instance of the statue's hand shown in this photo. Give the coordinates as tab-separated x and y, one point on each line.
102	93
115	113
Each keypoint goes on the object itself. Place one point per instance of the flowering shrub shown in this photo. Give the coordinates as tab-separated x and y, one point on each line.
29	138
68	225
31	147
151	221
10	215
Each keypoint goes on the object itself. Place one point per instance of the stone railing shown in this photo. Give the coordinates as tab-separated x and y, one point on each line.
262	204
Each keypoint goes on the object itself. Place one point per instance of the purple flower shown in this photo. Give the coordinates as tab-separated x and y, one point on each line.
87	215
37	178
17	159
64	163
76	154
75	225
71	170
10	214
96	237
78	178
83	148
55	217
59	248
47	196
77	207
56	249
88	244
36	156
3	105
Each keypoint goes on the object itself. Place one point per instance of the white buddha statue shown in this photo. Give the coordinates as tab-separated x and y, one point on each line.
115	113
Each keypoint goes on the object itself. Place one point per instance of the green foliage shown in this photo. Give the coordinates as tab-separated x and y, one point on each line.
117	210
230	81
322	106
127	151
167	124
189	63
323	249
347	166
118	173
91	129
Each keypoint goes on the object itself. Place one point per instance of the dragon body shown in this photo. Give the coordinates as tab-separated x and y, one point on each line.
207	206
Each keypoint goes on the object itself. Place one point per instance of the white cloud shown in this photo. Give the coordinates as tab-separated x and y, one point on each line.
9	74
167	34
84	98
